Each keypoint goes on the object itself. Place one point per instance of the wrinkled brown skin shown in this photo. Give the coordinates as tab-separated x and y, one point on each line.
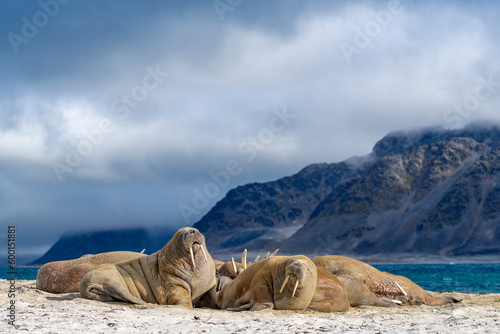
224	272
418	294
65	276
330	294
359	294
218	264
258	287
227	270
166	277
379	283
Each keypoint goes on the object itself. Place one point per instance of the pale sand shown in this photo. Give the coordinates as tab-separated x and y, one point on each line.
41	312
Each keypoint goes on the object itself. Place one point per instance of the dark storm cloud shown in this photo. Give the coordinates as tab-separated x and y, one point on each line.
115	113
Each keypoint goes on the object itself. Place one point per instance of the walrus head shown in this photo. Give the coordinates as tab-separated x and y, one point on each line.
299	272
193	242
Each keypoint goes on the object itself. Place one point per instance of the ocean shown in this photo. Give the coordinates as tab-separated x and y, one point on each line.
460	277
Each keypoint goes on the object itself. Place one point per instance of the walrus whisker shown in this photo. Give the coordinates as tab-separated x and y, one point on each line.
192	256
401	289
274	253
244	259
204	253
267	255
234	266
295	288
284	283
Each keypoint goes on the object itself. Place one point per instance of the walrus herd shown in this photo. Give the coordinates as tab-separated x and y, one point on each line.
183	273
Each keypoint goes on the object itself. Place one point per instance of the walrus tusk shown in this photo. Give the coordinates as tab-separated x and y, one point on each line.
257	259
267	255
295	288
244	259
274	253
284	283
192	256
234	266
204	254
397	302
142	252
401	289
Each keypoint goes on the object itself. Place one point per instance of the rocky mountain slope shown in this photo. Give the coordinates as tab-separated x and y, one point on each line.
260	215
429	191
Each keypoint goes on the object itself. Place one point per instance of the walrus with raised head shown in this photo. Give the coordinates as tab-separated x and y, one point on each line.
178	274
280	282
65	276
396	288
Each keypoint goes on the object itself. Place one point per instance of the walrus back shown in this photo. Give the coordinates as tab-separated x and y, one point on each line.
65	276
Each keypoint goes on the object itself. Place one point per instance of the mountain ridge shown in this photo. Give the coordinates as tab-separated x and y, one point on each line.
425	191
440	156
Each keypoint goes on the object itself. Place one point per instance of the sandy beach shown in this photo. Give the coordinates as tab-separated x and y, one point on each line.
42	312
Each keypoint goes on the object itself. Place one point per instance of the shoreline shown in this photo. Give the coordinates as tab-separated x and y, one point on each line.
379	258
42	312
390	258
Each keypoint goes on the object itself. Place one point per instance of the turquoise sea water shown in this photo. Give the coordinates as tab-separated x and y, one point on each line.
460	277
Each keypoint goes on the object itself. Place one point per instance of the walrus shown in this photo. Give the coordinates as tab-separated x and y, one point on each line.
226	272
379	283
280	282
65	276
178	274
417	293
330	294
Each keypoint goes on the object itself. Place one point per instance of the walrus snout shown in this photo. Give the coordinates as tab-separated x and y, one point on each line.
193	241
297	271
298	268
191	237
295	275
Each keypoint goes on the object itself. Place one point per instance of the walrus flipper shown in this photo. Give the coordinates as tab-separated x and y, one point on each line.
441	300
244	307
385	302
262	297
109	294
179	296
105	284
263	306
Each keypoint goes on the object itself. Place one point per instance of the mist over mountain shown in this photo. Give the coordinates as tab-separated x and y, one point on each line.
427	191
74	245
430	190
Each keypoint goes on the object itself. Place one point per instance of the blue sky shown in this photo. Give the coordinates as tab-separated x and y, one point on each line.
145	113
